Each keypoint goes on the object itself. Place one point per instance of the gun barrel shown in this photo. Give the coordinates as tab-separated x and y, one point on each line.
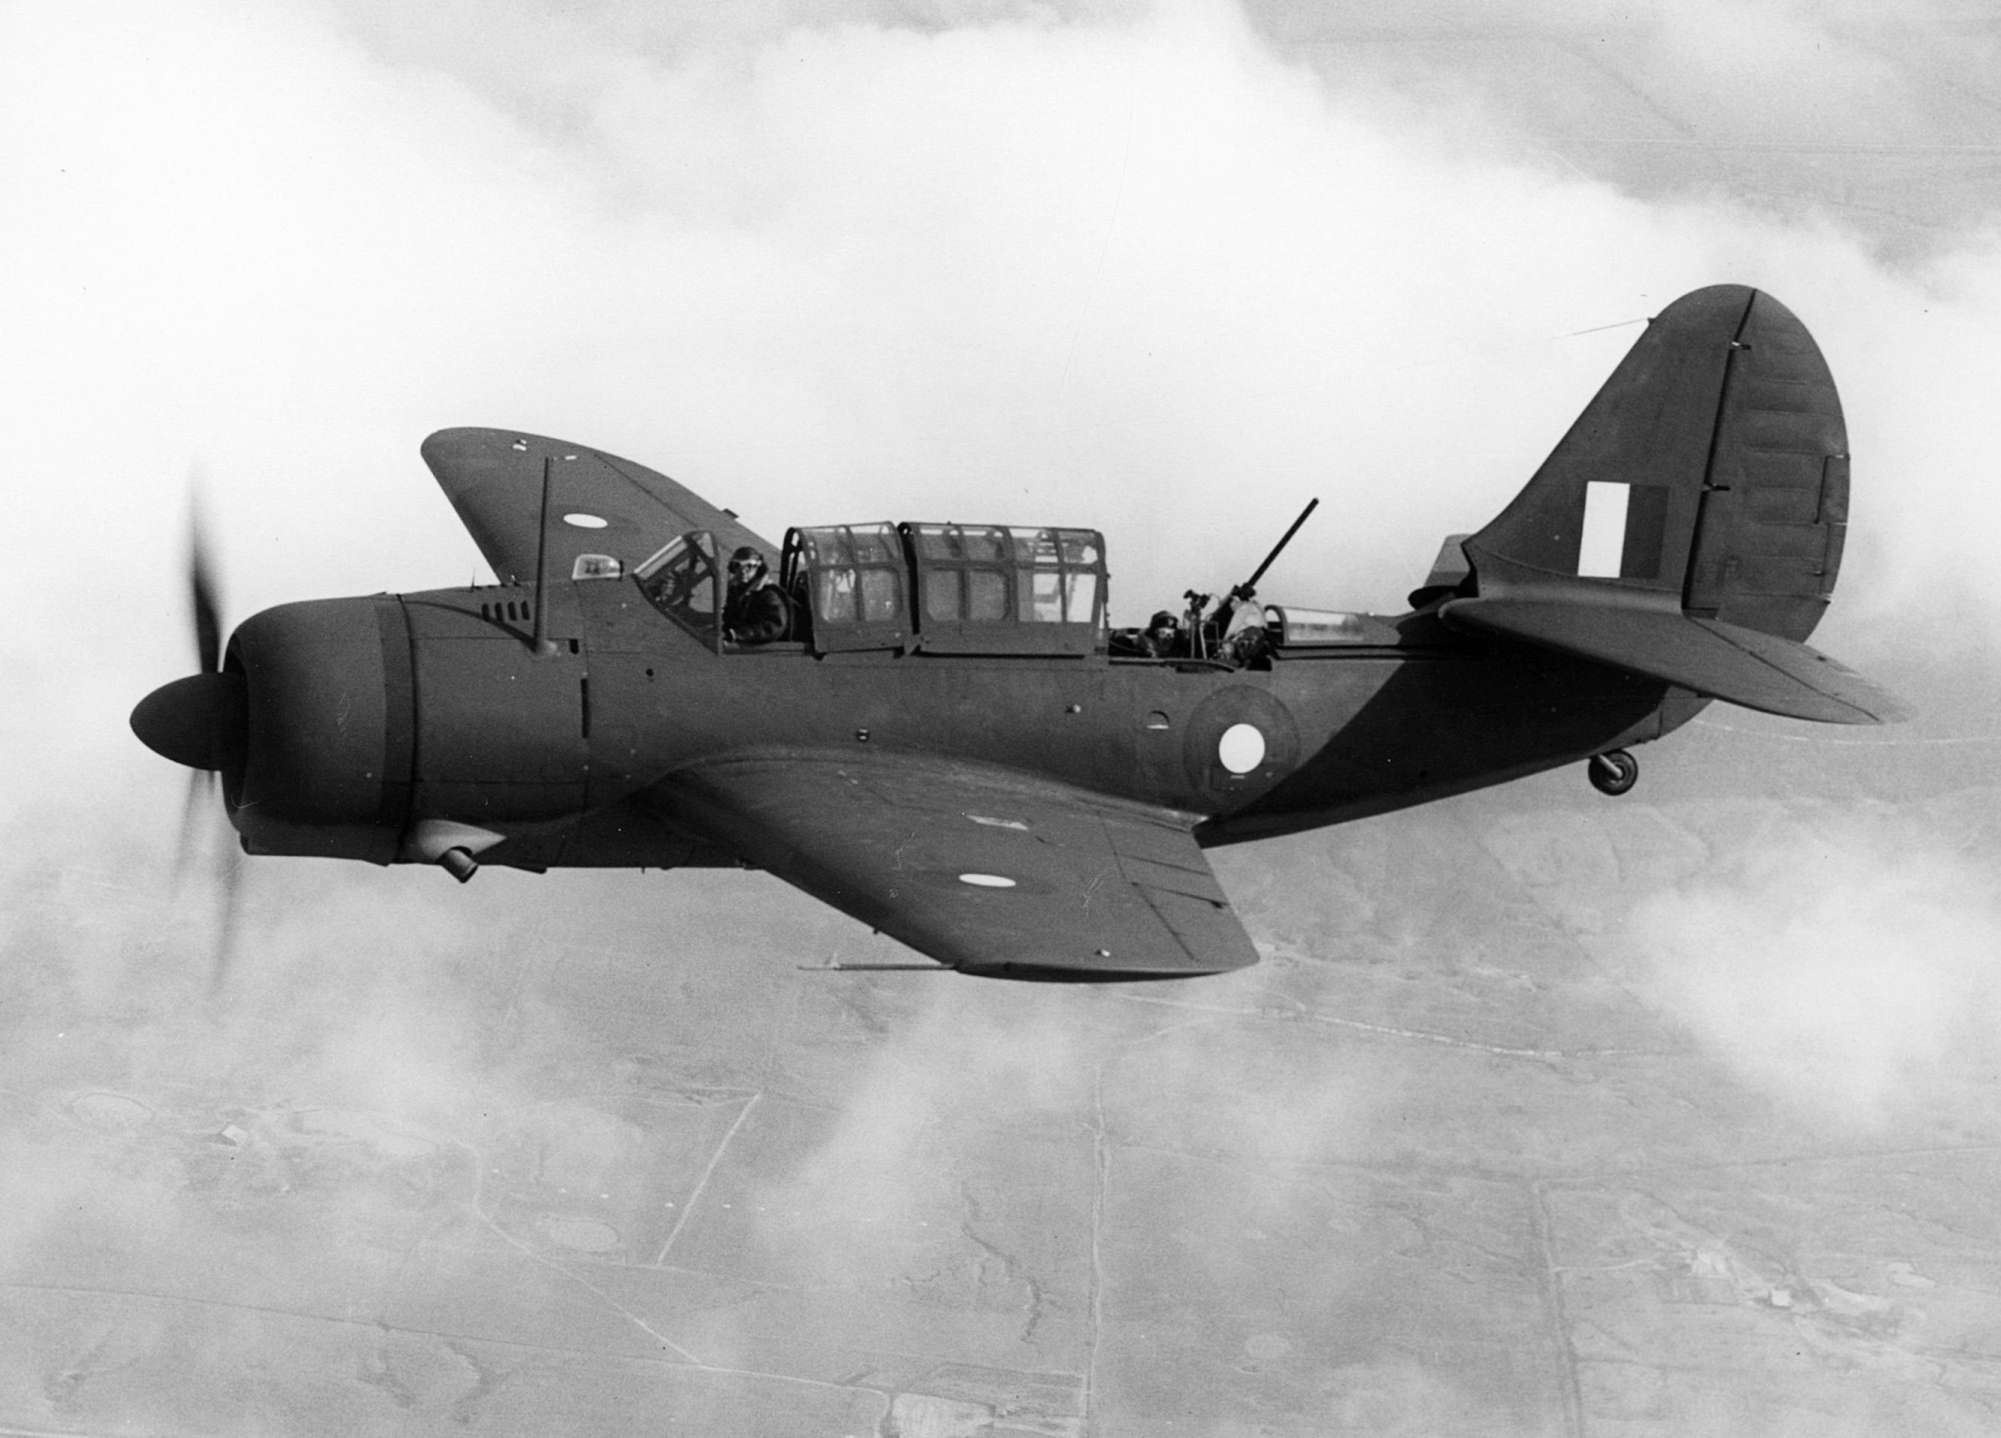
1249	586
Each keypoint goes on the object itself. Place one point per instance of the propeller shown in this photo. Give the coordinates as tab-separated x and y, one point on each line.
228	912
206	607
204	592
199	721
205	604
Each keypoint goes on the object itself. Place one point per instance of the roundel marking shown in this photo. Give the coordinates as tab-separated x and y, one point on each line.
1241	748
586	521
986	881
1240	740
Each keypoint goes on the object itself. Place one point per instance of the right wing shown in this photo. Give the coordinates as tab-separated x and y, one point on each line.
493	477
985	871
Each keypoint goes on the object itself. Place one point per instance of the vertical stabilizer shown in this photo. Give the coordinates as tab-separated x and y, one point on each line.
1689	527
1709	475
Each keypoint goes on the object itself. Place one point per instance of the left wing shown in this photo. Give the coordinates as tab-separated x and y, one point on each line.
598	504
985	871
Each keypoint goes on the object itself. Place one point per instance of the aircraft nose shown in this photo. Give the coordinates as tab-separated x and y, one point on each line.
197	721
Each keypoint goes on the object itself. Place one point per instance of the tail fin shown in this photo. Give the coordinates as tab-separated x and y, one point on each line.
1690	524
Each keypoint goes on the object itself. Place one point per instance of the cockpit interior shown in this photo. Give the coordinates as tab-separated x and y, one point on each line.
968	589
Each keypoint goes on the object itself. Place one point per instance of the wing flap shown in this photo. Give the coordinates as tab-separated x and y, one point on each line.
1725	661
493	478
984	871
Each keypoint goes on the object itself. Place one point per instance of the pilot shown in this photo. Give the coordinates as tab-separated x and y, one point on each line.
756	610
1162	638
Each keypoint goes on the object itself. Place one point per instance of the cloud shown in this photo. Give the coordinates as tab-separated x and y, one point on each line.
1843	961
1131	269
1143	268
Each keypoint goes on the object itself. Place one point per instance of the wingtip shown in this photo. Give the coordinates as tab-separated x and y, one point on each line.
446	449
472	440
451	437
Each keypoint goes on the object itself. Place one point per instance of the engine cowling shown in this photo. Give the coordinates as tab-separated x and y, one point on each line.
328	709
315	724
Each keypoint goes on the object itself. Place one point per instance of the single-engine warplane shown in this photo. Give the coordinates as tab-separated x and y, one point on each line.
947	740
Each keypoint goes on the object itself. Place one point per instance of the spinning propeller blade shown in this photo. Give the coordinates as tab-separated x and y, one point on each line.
193	727
201	785
229	892
204	592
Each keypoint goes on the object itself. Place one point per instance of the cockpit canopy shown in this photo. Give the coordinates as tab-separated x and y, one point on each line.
851	582
979	589
944	588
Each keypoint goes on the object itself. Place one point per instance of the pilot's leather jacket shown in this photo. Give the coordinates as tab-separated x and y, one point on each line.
758	615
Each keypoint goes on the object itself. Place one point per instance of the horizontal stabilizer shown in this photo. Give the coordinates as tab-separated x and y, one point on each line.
1723	661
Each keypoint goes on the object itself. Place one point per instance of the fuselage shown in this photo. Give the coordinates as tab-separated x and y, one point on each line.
372	717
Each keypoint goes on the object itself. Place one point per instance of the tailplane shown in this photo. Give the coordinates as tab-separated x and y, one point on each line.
1690	525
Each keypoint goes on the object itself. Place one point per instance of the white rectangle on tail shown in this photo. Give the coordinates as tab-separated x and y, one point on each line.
1604	544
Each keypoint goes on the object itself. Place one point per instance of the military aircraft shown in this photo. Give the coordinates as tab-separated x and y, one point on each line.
953	746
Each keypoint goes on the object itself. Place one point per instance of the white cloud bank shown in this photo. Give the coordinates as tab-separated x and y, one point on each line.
1851	965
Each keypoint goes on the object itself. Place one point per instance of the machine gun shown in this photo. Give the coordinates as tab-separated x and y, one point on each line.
1205	636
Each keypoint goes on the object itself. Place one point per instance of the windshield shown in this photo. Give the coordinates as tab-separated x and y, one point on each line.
680	582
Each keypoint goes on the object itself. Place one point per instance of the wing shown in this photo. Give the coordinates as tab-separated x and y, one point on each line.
986	872
493	477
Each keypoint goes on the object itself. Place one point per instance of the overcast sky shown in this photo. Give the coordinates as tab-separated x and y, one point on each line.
1164	270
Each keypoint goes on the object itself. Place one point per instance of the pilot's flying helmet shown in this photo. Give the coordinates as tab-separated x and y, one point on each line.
748	561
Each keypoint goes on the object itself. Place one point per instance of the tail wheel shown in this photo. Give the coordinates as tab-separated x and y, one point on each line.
1613	772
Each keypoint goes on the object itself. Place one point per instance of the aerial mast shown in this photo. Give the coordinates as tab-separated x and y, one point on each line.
539	644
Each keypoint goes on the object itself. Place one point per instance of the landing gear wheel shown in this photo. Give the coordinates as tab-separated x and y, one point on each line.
1613	772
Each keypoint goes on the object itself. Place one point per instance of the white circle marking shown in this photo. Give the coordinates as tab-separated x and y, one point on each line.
986	881
586	521
1241	749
